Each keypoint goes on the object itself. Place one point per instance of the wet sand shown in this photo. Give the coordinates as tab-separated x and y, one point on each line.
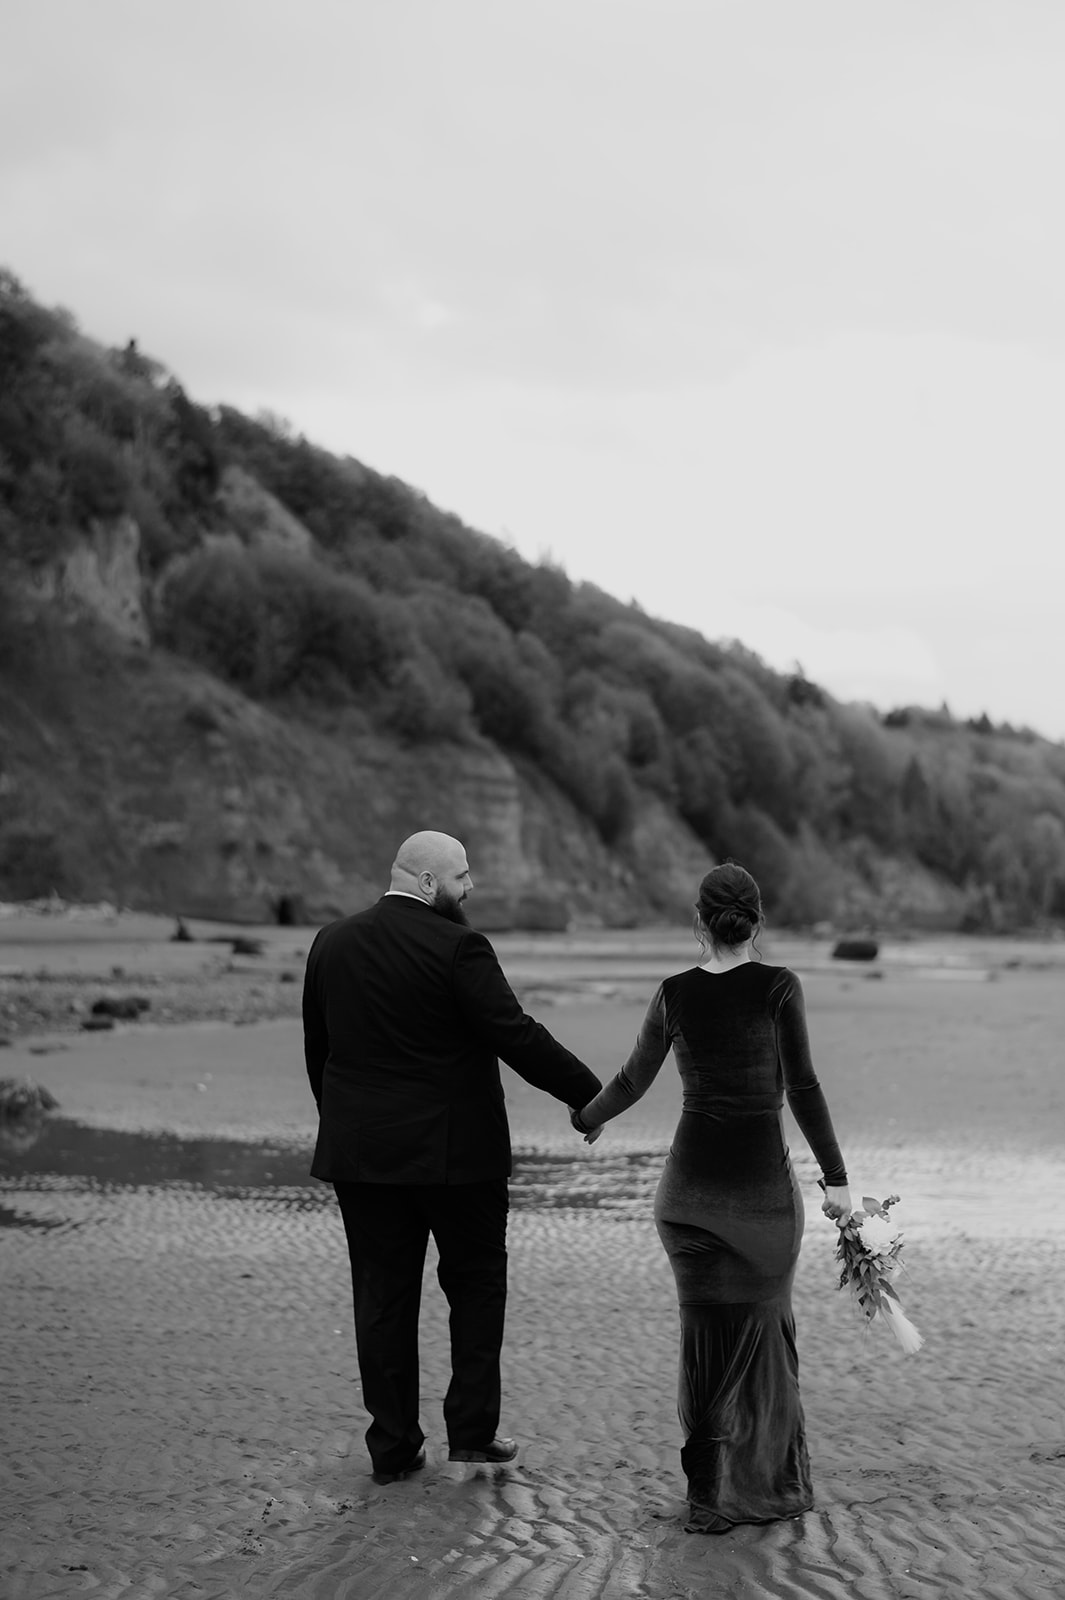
181	1412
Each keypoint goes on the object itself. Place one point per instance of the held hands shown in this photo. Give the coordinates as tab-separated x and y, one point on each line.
590	1135
837	1203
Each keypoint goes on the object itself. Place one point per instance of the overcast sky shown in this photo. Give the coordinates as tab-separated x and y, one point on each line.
753	312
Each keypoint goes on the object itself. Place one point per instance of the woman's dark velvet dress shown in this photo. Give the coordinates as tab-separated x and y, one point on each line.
730	1215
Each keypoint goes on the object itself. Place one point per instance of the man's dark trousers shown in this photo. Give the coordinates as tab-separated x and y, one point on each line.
388	1227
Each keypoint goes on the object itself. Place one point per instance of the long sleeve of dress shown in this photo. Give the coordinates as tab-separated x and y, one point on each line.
639	1072
804	1094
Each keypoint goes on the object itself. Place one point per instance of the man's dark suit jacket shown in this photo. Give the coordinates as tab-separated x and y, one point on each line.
404	1015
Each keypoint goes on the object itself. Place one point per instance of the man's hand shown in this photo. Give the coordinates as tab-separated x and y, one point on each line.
590	1135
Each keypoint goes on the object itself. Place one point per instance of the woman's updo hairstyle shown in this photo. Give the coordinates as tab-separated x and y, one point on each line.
729	907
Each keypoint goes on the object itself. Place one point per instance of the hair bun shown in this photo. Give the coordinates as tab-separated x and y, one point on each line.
729	905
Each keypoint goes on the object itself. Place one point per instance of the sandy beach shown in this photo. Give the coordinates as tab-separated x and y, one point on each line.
181	1411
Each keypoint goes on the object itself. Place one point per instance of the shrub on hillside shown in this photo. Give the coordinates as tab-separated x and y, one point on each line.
33	528
120	405
32	488
633	652
98	481
509	679
613	800
869	804
755	841
702	788
763	766
339	501
503	579
32	864
812	886
190	449
618	723
271	622
706	693
820	775
646	741
423	703
25	327
595	779
210	611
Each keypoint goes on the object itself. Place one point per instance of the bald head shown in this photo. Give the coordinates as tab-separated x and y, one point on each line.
433	866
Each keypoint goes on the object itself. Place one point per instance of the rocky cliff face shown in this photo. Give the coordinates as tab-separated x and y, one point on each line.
102	575
134	777
180	793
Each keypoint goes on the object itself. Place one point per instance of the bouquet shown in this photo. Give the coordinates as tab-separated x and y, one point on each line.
869	1249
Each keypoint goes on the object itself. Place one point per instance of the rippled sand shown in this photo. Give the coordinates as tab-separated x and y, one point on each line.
181	1410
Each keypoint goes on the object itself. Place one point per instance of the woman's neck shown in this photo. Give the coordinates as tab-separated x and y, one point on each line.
724	960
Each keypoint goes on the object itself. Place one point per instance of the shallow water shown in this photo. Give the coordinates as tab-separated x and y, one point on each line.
71	1159
949	1190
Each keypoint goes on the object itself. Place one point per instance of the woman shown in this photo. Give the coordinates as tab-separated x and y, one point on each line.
728	1207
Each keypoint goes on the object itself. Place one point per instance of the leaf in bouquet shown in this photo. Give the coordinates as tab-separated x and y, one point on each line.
888	1290
872	1206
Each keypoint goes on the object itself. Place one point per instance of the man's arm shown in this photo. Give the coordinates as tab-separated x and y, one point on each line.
315	1034
491	1008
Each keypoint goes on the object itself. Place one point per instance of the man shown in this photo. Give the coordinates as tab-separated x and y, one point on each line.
405	1011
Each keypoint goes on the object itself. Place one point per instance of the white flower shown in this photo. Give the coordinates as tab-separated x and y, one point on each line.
878	1235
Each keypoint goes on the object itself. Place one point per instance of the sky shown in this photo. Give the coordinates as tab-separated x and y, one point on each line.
752	311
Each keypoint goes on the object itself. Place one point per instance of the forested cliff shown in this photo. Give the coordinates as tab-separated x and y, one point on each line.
235	669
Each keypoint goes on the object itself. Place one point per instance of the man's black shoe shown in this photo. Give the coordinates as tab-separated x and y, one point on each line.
395	1477
498	1450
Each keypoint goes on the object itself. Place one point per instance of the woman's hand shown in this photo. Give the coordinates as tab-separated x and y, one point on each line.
837	1203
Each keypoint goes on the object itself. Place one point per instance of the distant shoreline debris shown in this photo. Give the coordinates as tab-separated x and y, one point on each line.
53	905
855	950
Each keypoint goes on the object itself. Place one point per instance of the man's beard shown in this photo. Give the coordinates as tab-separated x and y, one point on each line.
445	905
